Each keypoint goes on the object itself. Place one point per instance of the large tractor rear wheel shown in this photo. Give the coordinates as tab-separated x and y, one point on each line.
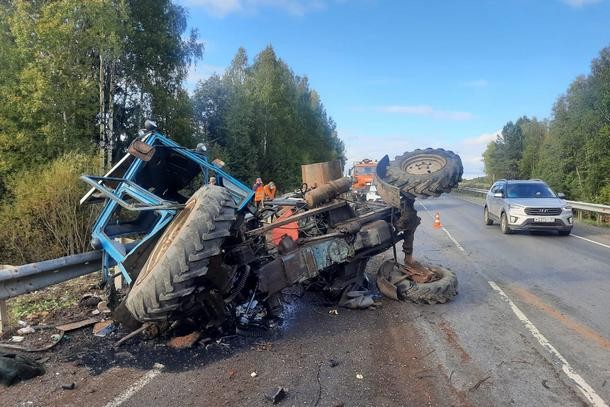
181	258
423	173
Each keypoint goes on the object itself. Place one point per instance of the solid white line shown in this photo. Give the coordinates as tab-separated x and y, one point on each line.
459	246
137	386
582	385
590	241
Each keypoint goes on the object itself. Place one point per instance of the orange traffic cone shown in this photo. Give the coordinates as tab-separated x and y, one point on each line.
437	221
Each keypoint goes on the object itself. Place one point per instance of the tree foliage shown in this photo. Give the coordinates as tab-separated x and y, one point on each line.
571	151
77	80
263	120
83	74
44	219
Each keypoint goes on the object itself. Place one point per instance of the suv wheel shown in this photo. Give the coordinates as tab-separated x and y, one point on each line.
504	224
564	232
488	221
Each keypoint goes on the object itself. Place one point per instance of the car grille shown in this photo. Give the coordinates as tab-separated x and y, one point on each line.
543	211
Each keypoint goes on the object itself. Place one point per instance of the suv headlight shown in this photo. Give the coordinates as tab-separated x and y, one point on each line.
516	208
567	208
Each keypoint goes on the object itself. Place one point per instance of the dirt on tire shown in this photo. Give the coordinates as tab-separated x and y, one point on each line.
181	257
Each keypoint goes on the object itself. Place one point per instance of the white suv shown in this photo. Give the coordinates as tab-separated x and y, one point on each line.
527	205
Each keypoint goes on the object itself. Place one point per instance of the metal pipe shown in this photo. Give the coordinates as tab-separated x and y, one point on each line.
326	192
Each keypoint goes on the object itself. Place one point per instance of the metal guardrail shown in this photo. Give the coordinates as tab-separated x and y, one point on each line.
20	280
581	206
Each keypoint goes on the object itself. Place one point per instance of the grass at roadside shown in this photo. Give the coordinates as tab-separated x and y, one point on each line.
45	306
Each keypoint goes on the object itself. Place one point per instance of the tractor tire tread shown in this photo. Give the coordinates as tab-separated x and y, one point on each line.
176	274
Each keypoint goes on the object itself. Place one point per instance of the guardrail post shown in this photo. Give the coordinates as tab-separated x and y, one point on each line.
3	316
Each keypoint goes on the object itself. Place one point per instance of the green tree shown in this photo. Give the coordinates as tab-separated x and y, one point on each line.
571	151
264	120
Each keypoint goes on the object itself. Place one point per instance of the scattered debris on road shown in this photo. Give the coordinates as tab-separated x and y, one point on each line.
78	324
68	386
186	341
279	395
89	300
26	330
15	368
103	328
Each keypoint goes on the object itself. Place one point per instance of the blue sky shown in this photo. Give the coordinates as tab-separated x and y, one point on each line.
400	75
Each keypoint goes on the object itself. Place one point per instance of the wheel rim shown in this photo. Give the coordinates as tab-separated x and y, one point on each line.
503	222
486	215
424	164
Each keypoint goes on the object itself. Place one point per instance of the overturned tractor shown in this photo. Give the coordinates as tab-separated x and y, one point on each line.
188	249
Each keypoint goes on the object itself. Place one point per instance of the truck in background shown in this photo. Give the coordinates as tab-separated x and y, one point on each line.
363	173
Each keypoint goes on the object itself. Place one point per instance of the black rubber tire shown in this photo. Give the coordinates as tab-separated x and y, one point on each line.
181	257
564	232
488	221
504	224
436	292
423	173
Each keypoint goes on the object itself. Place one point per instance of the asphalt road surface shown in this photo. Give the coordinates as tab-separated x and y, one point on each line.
530	327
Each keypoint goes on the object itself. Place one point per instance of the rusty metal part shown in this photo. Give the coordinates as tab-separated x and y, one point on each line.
407	223
141	150
132	334
326	192
394	279
298	216
317	174
419	273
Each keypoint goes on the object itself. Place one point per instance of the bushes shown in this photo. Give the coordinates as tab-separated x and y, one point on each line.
42	218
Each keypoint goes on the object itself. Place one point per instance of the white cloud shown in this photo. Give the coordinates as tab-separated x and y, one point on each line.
221	8
426	111
471	151
478	83
484	138
580	3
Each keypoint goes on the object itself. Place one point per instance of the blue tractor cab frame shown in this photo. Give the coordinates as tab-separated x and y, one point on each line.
144	192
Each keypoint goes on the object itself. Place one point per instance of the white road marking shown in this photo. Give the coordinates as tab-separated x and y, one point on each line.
582	385
137	386
590	241
459	246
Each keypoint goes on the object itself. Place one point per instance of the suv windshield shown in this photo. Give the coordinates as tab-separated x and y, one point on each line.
529	190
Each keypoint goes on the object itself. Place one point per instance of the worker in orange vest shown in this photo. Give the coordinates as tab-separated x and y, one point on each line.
259	192
270	191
